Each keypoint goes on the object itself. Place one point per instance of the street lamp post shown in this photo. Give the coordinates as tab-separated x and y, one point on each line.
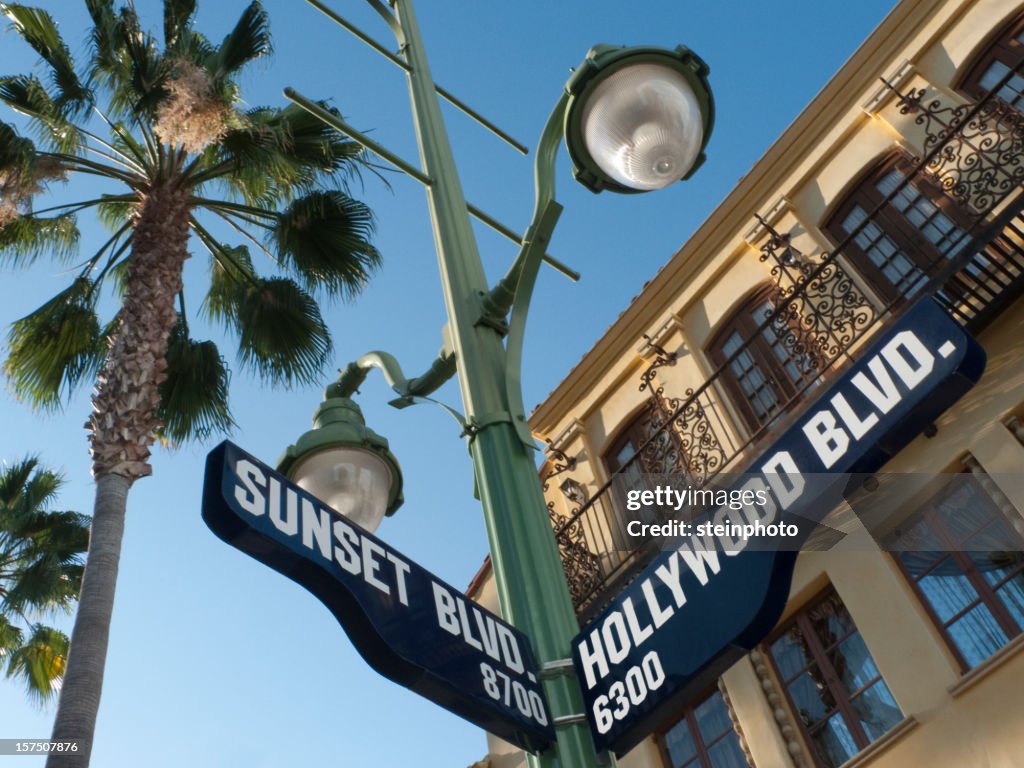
629	128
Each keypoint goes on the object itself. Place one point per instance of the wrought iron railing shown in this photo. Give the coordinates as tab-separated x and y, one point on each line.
822	313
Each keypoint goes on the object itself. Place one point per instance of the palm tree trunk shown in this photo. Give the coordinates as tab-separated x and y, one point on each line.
124	417
122	427
83	681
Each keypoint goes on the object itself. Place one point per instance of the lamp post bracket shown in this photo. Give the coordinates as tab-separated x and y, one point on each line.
399	62
335	121
338	123
405	402
501	229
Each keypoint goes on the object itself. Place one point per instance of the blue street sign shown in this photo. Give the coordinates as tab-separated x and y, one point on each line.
409	625
707	600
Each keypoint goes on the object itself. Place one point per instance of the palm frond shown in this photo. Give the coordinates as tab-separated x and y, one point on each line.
42	550
40	661
14	478
315	145
177	15
11	637
137	82
279	153
281	335
16	152
194	396
115	267
63	535
27	238
17	174
45	583
27	95
109	64
116	212
56	347
231	274
249	40
38	29
129	146
191	46
324	238
38	490
117	271
41	553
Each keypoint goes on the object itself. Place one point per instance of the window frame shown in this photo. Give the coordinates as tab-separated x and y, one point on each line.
627	434
688	713
819	657
910	240
630	433
987	596
741	320
1004	47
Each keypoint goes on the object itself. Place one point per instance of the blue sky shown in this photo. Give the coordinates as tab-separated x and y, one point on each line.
214	659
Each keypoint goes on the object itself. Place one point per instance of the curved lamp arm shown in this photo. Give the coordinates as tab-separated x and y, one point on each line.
519	283
354	374
513	292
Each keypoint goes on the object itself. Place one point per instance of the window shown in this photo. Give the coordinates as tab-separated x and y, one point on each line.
1004	54
629	442
703	738
831	681
902	232
661	456
643	448
762	376
965	562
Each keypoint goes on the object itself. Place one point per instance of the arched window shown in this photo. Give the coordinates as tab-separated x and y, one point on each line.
902	231
640	457
660	456
989	68
762	373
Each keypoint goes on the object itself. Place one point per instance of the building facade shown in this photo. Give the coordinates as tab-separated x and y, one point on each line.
901	642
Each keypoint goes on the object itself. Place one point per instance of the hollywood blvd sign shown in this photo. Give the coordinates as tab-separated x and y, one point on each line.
705	601
406	623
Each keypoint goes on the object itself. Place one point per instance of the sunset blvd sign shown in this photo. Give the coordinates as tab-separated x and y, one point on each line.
706	601
409	625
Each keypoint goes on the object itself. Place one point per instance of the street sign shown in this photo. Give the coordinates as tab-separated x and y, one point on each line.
705	601
408	624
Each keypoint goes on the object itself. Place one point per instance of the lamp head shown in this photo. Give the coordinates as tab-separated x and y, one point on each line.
638	118
345	464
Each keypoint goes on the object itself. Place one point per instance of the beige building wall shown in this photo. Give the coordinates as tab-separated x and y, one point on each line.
951	718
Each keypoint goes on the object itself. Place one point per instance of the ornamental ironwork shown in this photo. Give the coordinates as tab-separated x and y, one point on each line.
975	154
680	435
581	565
975	150
818	308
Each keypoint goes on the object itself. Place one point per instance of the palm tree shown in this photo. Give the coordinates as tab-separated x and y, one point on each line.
160	123
40	571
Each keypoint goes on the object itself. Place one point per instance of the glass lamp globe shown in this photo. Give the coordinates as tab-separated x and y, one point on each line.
345	464
350	480
643	126
637	118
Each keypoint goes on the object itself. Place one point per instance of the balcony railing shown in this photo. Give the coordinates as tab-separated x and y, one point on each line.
823	314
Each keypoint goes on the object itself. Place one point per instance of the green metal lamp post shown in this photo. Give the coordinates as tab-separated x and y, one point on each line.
634	119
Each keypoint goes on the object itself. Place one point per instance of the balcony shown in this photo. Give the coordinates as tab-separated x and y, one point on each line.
822	311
